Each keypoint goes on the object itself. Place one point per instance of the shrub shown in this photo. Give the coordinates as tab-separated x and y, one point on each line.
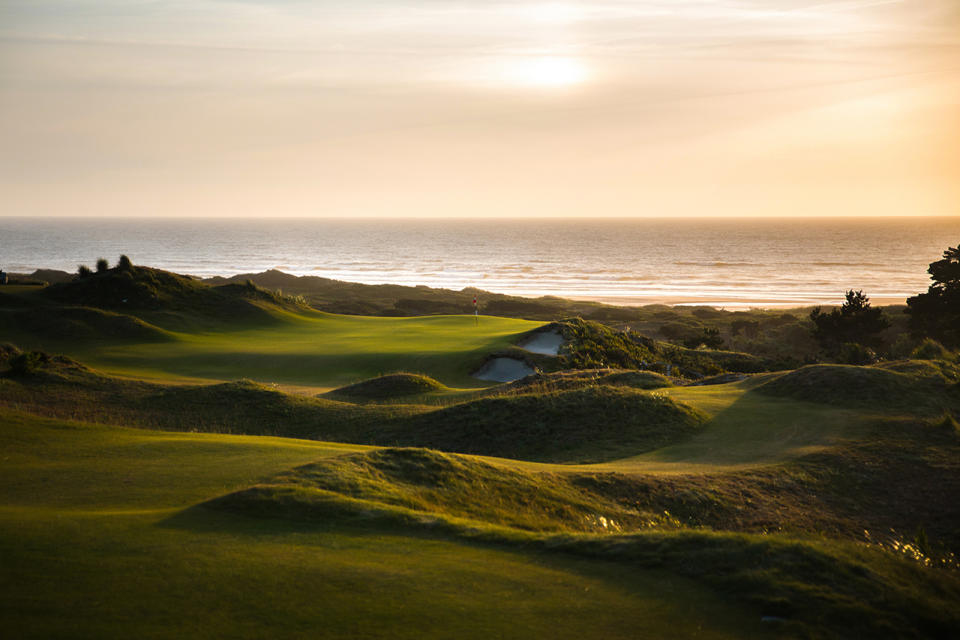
854	322
84	271
902	347
102	265
709	338
27	362
930	349
124	263
936	313
853	353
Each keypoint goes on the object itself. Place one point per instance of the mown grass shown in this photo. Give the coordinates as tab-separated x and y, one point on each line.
97	540
305	348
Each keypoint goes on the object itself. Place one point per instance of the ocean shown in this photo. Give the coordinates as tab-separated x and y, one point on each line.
730	263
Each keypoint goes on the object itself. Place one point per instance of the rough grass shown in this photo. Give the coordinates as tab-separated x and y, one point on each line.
593	345
578	425
813	587
902	476
461	487
869	388
579	379
60	323
388	387
57	386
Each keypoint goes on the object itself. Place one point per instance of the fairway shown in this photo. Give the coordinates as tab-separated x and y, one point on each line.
313	349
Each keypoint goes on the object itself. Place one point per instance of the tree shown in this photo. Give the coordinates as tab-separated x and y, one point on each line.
84	271
856	322
936	313
124	264
102	265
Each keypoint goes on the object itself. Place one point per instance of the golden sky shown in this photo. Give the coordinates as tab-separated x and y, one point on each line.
480	108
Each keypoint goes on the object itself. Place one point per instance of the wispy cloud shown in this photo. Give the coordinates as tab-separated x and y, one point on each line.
220	106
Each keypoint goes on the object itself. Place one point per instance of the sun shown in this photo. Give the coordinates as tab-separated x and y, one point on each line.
544	72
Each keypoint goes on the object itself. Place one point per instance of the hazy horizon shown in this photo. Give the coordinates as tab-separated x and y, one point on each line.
422	108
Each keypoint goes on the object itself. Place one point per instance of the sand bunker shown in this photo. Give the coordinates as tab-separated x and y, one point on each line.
545	343
503	370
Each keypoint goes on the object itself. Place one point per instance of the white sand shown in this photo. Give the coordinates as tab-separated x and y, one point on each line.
503	370
546	343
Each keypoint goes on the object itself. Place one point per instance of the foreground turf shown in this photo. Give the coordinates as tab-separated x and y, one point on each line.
104	530
98	539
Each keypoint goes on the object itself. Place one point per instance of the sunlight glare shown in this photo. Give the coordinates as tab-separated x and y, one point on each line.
545	71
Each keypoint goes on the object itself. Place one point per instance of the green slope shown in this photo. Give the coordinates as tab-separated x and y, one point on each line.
98	540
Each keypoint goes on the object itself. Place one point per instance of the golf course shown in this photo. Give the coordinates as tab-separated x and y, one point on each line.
188	460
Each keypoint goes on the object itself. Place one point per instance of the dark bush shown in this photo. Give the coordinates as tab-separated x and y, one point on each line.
28	362
102	265
853	353
854	322
930	349
936	313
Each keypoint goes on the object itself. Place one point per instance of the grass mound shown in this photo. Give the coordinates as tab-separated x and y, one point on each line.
41	366
412	484
251	408
860	387
394	385
144	290
579	379
579	425
128	288
81	323
941	371
591	345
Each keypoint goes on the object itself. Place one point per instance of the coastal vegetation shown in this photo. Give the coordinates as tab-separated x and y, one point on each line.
192	458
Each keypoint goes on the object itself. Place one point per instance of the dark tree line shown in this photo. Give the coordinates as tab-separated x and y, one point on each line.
936	313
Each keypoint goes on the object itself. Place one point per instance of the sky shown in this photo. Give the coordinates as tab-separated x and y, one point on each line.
413	108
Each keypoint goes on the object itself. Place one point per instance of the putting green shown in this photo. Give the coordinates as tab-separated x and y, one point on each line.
317	350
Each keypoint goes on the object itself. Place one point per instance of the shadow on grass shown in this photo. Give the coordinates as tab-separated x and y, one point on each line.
758	429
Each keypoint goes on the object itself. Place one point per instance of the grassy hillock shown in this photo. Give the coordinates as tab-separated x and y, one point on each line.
57	324
426	482
389	387
873	388
578	379
578	425
592	345
163	297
